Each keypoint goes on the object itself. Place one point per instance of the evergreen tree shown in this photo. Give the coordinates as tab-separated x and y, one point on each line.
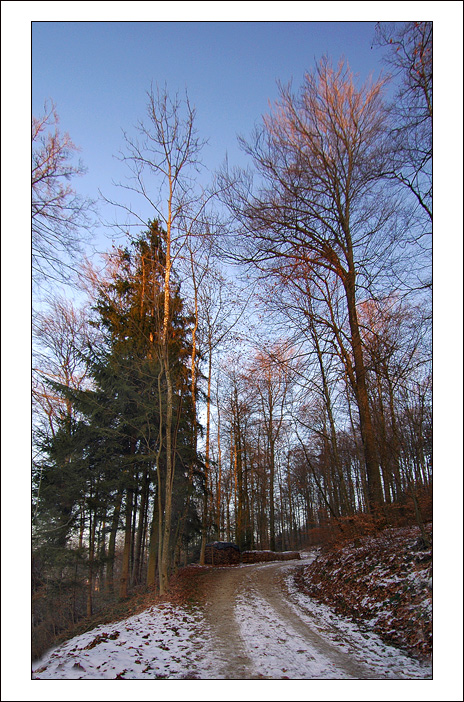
111	467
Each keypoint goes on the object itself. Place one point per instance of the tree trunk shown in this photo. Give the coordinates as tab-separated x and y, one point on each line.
90	578
374	487
204	526
136	572
165	554
153	546
272	542
109	585
124	581
218	491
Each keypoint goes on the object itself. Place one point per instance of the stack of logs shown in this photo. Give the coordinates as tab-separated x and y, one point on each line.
222	553
259	556
226	553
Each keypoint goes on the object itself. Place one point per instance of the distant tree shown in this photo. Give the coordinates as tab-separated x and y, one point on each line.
60	217
397	354
236	411
268	378
219	310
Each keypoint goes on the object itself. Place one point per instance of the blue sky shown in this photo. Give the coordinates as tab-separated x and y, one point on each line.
98	74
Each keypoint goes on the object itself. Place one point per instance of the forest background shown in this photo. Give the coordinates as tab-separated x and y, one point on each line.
451	419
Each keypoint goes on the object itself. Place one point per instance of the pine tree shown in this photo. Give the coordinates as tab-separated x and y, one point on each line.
119	445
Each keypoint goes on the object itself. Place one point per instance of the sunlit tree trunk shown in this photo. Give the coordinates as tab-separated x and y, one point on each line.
204	527
136	572
220	524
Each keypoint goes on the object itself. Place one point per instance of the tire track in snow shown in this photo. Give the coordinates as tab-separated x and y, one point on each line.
234	663
263	629
284	642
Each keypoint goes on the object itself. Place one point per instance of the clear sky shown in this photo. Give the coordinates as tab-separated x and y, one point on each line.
98	74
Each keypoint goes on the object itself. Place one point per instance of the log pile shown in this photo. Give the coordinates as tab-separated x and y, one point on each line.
288	555
222	553
226	553
263	556
258	556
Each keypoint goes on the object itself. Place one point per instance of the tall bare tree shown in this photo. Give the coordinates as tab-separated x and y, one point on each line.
320	155
408	53
410	57
162	159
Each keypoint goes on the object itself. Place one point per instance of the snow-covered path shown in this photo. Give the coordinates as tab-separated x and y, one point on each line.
264	628
256	625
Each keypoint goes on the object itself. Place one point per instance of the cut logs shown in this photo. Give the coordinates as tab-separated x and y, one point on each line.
262	556
222	553
227	553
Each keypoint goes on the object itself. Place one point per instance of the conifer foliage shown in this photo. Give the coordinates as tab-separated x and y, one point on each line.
103	478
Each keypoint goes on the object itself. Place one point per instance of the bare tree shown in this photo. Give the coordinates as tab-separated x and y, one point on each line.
410	57
221	310
162	159
321	155
269	377
60	217
61	335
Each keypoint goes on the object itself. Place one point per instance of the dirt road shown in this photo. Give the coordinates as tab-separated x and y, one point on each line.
255	624
262	629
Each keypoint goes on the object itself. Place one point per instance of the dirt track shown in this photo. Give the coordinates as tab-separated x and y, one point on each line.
227	583
254	624
258	626
234	585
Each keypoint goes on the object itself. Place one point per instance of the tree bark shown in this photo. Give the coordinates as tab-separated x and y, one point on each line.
124	581
375	496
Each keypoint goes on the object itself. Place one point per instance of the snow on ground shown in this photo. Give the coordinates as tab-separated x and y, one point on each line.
384	660
277	650
174	642
383	582
162	642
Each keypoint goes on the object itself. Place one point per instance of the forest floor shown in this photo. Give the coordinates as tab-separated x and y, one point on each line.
384	583
358	612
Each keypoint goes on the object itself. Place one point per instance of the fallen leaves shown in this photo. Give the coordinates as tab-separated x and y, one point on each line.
384	581
101	638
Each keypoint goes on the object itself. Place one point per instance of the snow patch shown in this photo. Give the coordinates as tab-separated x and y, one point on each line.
163	642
